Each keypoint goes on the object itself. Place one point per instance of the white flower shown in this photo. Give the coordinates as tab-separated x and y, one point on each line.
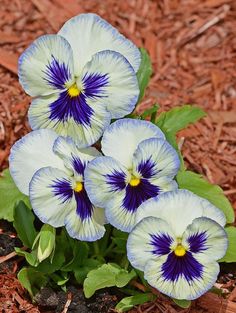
177	242
80	78
50	169
138	164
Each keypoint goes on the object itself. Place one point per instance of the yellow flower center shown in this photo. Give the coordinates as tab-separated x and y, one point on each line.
180	250
134	181
73	91
78	187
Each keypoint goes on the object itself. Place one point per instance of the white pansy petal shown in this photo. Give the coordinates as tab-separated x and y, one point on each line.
74	158
178	207
51	196
31	153
65	147
99	216
88	229
70	117
121	138
206	239
155	158
104	178
188	280
150	239
117	215
89	34
209	210
164	184
46	66
115	86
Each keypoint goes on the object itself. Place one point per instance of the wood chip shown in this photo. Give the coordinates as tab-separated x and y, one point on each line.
8	60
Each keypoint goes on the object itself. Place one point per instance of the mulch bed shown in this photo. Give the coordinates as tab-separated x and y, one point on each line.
192	45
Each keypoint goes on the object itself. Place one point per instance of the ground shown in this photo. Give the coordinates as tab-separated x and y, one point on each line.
192	45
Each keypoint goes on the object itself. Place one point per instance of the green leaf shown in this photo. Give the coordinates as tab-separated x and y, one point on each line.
24	224
144	73
176	119
124	277
46	243
185	304
198	185
32	280
119	238
152	112
129	302
9	195
60	280
179	118
107	275
230	255
103	243
81	272
80	255
31	257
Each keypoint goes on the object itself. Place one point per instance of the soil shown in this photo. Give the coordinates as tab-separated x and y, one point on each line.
102	302
192	45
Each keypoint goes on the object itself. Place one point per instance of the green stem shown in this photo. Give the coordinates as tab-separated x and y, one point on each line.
126	265
108	250
124	262
96	248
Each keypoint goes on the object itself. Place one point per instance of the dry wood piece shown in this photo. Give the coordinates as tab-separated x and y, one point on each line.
8	60
68	302
214	304
54	15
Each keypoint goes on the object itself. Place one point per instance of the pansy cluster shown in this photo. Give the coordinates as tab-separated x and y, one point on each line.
85	164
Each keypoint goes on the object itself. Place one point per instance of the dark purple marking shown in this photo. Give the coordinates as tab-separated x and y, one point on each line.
78	165
57	74
66	107
161	243
116	180
84	206
62	189
94	85
136	195
185	266
146	168
197	242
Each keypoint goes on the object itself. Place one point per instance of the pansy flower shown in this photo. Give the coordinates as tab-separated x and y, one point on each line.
177	242
50	169
80	78
138	164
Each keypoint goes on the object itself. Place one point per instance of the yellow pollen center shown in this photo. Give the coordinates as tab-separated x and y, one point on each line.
134	181
78	187
180	250
73	90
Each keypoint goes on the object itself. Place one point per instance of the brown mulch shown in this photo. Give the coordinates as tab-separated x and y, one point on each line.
12	296
192	45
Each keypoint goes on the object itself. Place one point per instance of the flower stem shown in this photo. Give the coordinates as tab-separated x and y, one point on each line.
96	248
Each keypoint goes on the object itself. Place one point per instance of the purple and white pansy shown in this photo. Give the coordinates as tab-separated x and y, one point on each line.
177	242
138	164
80	78
50	169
